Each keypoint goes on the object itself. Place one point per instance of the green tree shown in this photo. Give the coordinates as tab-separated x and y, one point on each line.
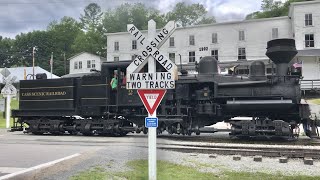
6	45
64	34
271	8
186	15
23	48
138	14
92	39
92	16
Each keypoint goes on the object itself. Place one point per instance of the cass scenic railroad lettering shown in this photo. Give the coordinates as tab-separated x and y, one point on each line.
56	93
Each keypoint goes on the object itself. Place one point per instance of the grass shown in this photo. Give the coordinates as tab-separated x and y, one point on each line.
315	101
168	171
14	105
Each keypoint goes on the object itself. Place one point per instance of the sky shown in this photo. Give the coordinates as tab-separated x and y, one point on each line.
18	16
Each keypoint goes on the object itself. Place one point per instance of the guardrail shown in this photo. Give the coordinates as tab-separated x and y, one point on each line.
310	84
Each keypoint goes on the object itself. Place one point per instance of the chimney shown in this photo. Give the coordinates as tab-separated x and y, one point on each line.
281	52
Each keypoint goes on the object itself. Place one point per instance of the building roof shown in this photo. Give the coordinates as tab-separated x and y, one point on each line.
76	75
102	58
309	52
213	24
19	72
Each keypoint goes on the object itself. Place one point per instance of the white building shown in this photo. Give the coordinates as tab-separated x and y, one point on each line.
237	43
84	62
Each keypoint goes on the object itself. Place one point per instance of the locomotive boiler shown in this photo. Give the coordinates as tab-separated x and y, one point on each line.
87	104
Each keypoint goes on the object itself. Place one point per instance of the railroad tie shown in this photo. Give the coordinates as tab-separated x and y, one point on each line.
237	158
257	158
308	161
283	159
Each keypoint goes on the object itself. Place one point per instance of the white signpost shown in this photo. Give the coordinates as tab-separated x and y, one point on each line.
152	85
8	91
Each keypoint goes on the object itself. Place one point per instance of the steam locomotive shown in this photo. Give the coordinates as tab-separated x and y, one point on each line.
87	104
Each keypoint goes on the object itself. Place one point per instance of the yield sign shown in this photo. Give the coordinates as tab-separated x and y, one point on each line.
151	98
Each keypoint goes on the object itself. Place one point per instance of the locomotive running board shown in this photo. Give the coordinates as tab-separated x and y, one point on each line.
260	102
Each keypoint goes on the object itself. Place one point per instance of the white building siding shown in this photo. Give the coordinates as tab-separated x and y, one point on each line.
298	22
310	68
84	58
257	33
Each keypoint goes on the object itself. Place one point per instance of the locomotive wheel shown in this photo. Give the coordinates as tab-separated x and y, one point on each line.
87	134
37	133
145	130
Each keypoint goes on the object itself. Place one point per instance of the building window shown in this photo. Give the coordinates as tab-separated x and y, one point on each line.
134	44
308	20
271	70
89	64
309	40
93	64
116	46
75	65
116	58
242	71
242	54
214	38
214	53
241	36
191	40
80	64
192	56
171	42
133	57
275	33
172	57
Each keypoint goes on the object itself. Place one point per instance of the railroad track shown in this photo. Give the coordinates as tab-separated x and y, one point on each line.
245	149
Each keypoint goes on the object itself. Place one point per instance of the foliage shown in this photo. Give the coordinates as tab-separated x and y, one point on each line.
315	101
272	8
14	105
186	15
138	14
64	34
6	45
68	36
24	43
91	41
92	16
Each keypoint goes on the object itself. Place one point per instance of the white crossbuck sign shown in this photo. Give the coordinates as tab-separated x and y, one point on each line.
159	80
8	88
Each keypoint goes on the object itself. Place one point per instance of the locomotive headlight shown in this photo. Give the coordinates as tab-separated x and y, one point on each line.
205	94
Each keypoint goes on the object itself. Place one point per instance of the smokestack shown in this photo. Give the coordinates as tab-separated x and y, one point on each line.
281	52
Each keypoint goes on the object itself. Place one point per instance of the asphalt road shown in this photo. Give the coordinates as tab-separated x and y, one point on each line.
20	152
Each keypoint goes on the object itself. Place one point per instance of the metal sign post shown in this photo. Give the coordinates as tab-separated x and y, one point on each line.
152	131
8	91
151	80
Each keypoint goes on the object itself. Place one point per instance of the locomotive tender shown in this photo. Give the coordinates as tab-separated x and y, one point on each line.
89	106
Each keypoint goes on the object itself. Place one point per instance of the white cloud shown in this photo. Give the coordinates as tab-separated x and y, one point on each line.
26	15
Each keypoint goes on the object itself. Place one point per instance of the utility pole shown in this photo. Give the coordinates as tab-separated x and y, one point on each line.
33	49
51	63
65	64
180	63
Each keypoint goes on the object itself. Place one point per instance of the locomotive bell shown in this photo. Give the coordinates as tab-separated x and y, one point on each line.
281	51
208	65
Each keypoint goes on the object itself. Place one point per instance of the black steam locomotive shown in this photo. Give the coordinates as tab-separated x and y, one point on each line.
87	105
